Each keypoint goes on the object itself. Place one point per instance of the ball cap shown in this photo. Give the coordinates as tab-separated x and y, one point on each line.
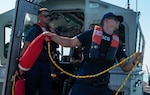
109	15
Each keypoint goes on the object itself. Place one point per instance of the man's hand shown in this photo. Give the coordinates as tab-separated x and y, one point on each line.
48	35
47	38
19	72
138	58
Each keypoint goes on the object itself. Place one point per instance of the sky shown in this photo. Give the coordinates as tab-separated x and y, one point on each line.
136	5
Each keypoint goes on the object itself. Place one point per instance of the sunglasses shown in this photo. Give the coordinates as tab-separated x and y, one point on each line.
45	16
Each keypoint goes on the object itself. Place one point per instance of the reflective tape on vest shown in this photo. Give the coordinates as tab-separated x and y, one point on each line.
115	41
97	35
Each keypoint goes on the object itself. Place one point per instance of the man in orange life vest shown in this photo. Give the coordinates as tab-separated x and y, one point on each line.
38	77
101	47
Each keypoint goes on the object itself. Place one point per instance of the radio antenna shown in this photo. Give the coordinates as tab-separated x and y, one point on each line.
128	5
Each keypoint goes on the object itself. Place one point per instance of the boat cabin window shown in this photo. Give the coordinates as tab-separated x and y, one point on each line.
7	34
121	34
69	24
30	19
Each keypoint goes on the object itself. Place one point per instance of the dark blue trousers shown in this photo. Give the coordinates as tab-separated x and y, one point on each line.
81	88
38	78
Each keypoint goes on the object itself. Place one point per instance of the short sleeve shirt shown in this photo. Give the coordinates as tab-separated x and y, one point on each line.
33	33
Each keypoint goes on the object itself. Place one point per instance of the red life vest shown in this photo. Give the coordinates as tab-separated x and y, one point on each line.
96	42
44	29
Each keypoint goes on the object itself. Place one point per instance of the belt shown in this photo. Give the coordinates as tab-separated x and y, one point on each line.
97	81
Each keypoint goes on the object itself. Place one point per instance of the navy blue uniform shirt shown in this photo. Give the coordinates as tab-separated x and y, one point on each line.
91	67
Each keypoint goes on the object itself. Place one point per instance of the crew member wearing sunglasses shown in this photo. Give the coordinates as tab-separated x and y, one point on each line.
38	77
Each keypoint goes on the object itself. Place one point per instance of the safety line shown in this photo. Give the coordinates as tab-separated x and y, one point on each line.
98	74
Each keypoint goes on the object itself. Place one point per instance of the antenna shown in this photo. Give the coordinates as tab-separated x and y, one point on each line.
128	5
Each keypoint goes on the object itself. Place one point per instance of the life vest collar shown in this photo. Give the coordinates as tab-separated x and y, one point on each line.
44	28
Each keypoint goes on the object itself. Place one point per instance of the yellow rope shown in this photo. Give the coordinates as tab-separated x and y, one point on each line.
98	74
127	78
13	85
85	76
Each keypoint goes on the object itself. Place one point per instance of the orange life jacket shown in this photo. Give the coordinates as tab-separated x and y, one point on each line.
96	43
